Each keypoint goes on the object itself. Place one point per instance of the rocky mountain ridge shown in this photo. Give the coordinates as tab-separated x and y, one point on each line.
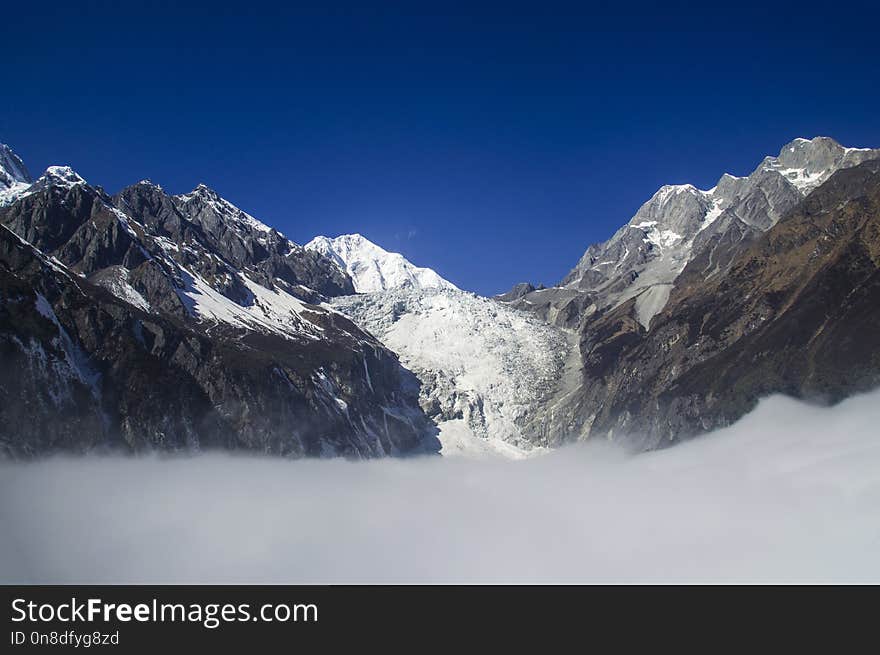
679	223
144	321
778	297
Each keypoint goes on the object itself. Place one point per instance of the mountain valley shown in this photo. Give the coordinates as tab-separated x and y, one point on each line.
148	321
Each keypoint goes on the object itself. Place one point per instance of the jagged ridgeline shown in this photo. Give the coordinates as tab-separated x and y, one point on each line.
705	301
150	321
177	322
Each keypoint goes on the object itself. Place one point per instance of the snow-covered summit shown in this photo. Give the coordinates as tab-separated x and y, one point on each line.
16	182
643	259
54	176
14	176
372	268
807	163
63	176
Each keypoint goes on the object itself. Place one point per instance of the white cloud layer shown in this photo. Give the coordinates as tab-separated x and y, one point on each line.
790	493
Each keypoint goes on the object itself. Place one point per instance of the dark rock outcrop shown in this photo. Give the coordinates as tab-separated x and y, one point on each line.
516	292
795	311
148	321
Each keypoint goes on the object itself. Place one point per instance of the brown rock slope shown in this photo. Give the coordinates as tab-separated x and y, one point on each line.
796	312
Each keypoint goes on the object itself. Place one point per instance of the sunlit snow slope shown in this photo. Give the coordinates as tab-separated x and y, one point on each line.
485	369
373	268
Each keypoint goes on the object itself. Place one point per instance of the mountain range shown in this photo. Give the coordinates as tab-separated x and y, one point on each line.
152	321
678	333
144	320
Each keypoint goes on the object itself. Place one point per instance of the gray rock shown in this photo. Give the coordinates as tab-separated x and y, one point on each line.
104	345
12	169
794	310
516	292
681	223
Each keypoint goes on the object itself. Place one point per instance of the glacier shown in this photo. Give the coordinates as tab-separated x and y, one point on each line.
486	370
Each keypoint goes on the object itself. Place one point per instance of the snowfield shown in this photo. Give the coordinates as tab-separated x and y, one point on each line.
789	494
373	268
485	368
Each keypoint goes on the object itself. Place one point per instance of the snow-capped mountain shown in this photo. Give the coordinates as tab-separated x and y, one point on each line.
373	268
14	176
154	321
151	321
706	301
643	258
486	370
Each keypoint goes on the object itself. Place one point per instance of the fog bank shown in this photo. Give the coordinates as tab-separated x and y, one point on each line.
790	493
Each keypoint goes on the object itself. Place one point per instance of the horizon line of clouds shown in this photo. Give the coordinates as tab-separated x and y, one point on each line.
788	494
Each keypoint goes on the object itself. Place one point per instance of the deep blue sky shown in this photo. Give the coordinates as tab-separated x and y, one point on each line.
493	143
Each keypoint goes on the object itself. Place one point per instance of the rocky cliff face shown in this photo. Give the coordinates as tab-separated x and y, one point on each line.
643	259
149	321
14	176
793	310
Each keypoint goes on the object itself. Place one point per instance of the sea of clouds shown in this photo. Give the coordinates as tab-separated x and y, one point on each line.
789	494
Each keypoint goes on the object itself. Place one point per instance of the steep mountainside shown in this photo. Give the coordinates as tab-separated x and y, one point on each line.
154	321
795	311
680	223
178	322
14	176
373	268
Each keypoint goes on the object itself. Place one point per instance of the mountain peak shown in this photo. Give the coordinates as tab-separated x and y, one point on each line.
14	176
372	268
223	208
16	181
802	151
667	190
807	163
62	176
148	182
643	260
205	191
12	168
